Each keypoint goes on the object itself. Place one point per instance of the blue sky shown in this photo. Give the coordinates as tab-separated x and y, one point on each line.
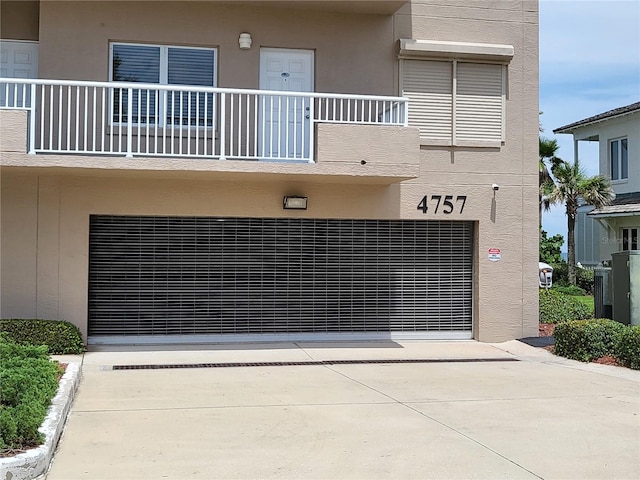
589	63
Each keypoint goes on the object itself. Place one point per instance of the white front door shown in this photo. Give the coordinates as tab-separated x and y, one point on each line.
18	59
285	132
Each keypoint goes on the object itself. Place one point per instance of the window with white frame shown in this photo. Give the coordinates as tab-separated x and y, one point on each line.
164	65
619	159
629	238
455	102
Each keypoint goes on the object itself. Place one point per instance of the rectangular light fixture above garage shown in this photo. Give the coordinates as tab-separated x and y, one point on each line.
294	203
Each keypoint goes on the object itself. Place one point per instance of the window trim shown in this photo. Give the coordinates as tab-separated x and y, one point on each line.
627	233
610	143
163	80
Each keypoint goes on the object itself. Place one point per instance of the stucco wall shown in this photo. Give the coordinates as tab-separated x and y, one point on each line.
13	128
56	211
343	43
19	20
18	245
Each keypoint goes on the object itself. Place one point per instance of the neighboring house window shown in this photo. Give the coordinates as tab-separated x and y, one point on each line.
629	239
164	65
619	159
455	102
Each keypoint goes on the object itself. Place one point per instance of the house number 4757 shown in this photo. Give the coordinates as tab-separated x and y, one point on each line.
444	204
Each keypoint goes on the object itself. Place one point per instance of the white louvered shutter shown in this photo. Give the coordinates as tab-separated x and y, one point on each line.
479	103
428	85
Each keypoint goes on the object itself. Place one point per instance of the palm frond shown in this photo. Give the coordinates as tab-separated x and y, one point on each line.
597	191
547	147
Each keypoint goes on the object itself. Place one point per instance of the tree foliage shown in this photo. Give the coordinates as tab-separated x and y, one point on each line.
550	248
547	155
573	185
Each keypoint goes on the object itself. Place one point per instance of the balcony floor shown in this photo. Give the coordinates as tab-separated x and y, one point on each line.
120	166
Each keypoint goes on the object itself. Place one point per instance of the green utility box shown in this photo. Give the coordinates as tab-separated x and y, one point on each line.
626	287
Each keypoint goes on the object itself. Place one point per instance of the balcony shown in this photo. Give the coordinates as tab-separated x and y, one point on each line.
135	120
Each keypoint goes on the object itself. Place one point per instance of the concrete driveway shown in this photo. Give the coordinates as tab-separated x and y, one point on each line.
517	412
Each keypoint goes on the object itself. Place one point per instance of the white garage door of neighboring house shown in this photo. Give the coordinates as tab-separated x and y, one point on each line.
18	59
215	279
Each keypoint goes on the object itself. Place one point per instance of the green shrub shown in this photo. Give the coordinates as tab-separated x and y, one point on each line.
585	279
587	340
59	336
572	290
628	347
557	307
560	274
29	381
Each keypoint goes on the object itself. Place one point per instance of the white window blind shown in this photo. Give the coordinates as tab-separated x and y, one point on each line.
456	103
164	65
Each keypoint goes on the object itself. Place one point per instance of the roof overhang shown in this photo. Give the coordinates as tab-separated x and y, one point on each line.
602	213
602	117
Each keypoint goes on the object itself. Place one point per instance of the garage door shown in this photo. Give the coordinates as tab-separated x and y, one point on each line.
185	277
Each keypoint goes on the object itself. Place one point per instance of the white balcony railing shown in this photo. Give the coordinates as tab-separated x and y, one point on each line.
132	119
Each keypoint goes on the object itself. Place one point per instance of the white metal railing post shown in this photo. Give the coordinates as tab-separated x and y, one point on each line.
129	122
312	130
32	121
223	129
405	109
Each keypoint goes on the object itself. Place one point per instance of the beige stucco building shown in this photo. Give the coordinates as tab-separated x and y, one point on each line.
146	167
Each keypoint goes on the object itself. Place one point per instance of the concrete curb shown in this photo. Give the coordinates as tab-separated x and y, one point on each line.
527	353
35	462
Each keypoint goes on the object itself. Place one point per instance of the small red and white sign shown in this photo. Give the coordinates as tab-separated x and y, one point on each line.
494	254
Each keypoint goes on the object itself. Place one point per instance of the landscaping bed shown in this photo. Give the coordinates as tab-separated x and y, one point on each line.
29	378
567	315
29	381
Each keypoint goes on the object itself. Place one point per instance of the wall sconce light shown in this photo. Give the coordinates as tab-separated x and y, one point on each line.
294	203
245	41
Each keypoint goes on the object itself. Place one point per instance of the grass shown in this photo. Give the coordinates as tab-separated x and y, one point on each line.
587	300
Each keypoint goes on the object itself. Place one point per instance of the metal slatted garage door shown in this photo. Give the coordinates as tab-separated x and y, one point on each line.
209	276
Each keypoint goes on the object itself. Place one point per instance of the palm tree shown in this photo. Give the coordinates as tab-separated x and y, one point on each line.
547	150
571	185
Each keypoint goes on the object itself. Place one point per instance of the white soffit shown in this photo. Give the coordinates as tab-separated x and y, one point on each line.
410	48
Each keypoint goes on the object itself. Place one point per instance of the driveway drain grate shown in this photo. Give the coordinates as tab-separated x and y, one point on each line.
320	362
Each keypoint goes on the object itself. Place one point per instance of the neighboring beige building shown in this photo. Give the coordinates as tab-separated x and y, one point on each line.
613	228
145	169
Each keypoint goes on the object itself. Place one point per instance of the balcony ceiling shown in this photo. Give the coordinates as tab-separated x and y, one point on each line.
377	7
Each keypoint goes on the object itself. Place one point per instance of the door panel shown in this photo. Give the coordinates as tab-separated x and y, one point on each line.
285	126
18	59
